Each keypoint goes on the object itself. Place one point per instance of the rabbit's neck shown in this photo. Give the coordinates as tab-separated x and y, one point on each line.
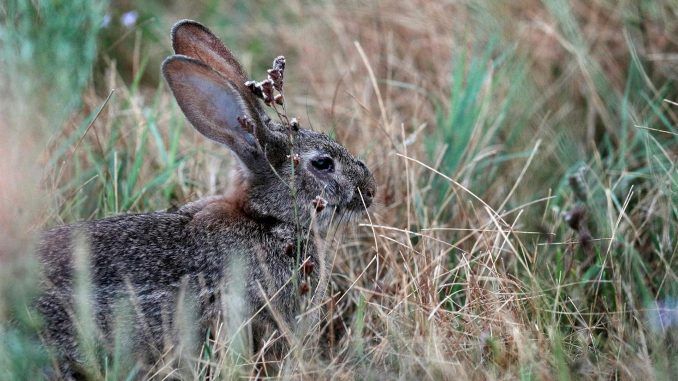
217	209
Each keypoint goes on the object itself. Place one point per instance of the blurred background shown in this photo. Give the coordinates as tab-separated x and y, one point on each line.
525	155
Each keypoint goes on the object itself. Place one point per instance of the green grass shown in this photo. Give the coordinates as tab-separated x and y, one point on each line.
495	123
48	50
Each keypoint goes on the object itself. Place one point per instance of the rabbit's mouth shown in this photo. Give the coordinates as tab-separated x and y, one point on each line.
359	203
337	214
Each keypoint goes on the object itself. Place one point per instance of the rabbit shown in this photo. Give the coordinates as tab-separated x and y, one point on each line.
290	183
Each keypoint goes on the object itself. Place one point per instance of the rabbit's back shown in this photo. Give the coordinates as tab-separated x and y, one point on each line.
160	249
147	248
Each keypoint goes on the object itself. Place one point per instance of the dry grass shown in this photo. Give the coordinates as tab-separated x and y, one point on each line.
486	125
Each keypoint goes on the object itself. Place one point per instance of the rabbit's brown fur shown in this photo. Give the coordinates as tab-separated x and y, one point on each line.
148	259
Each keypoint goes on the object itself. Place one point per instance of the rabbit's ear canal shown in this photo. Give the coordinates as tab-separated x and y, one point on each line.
215	107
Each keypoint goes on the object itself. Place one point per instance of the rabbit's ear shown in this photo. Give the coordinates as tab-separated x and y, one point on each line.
216	108
194	40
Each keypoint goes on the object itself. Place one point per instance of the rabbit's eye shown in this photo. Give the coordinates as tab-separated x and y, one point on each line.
324	164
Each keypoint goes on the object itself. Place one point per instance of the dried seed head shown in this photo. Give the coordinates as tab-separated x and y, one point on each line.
575	217
246	124
303	288
295	159
294	123
319	204
289	250
264	90
578	186
267	91
255	88
279	63
585	238
276	75
307	267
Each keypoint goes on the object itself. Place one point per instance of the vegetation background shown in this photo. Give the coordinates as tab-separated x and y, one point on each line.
525	153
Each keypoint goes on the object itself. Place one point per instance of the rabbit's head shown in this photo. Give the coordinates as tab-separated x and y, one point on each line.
278	163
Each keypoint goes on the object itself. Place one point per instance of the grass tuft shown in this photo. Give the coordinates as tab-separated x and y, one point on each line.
525	154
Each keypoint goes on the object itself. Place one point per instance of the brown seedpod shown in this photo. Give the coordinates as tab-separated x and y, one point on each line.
289	250
575	217
577	220
277	78
267	90
295	159
307	267
246	123
294	123
319	203
303	288
279	63
277	73
578	185
255	88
